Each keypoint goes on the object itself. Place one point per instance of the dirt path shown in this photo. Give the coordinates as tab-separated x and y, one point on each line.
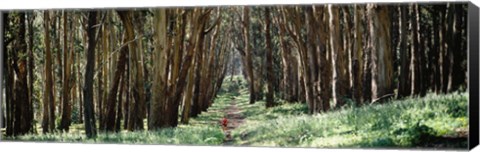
235	119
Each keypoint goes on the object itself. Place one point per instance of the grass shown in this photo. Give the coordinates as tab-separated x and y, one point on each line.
181	135
202	130
430	121
412	122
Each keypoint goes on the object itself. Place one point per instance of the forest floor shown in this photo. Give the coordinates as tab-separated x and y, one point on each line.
431	122
235	119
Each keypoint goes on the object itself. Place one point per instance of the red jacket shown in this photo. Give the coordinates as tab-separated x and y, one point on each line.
224	122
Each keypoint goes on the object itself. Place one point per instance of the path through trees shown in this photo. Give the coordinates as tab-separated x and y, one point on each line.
149	69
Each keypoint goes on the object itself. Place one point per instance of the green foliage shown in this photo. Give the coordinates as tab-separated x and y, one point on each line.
198	135
202	130
413	122
414	135
76	114
232	88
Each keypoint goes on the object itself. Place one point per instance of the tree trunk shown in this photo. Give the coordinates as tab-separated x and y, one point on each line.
90	124
457	74
404	86
9	81
80	84
382	60
415	60
160	56
127	104
339	62
20	104
315	44
99	80
289	73
176	91
136	69
347	47
119	99
325	73
67	107
357	56
9	76
48	123
104	66
112	102
31	74
57	63
286	62
424	32
215	58
269	61
188	96
207	78
197	102
248	53
444	38
367	66
303	58
73	79
435	49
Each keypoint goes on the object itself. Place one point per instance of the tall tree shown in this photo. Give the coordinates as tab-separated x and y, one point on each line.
339	62
313	45
67	57
48	123
188	95
324	62
436	46
403	85
379	44
113	101
269	61
18	108
287	83
138	92
196	41
160	55
415	61
248	53
456	53
9	75
357	55
197	102
90	123
31	67
305	83
57	62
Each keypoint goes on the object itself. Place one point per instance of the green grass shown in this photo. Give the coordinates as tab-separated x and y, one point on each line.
198	135
202	130
413	122
433	120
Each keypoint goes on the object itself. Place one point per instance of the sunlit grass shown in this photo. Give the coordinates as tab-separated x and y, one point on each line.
202	130
400	123
411	122
185	135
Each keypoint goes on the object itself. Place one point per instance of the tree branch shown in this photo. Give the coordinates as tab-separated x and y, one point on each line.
217	21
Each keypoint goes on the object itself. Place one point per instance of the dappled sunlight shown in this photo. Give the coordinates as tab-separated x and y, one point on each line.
319	75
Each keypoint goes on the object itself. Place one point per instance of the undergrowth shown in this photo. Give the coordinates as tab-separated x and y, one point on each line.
412	122
430	121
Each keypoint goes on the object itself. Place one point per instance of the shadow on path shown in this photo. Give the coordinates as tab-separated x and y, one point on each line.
235	119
